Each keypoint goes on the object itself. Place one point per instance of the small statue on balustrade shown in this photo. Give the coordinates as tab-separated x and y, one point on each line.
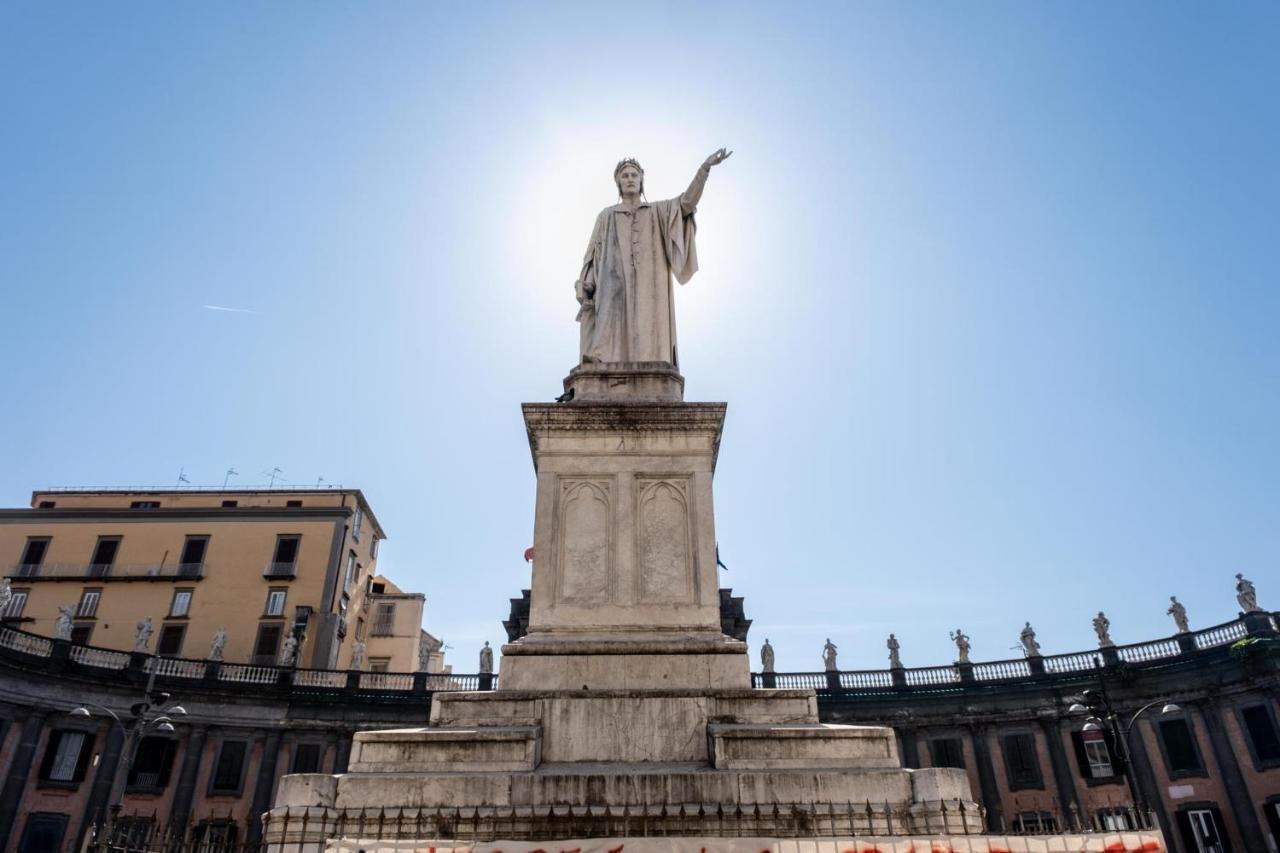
219	643
289	652
766	656
895	662
1102	627
961	639
1246	595
486	659
829	656
62	628
1028	639
1179	614
142	639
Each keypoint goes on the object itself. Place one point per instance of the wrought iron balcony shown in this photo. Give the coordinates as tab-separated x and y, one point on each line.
280	570
107	572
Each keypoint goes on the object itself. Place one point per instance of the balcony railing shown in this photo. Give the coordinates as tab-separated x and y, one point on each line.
32	651
107	572
280	570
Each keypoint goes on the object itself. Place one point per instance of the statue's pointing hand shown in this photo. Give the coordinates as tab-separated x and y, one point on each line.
717	158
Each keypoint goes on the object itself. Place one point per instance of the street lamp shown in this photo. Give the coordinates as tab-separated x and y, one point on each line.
1103	717
152	713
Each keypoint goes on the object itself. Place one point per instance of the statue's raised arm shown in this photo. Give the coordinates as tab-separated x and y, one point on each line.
627	314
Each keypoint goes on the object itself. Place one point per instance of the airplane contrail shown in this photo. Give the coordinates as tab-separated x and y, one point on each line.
222	308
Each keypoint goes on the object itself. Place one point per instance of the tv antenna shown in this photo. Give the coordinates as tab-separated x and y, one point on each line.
271	476
319	480
231	472
182	478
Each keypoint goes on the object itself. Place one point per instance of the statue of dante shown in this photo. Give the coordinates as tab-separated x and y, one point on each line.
624	288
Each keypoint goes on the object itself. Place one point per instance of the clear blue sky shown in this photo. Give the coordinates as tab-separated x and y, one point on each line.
991	289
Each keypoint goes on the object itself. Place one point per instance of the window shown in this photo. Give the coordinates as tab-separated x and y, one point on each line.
360	629
229	768
214	836
946	752
285	559
88	607
230	504
306	758
131	832
33	556
1180	753
1093	754
170	643
1035	823
267	644
181	604
80	633
373	548
1200	831
67	756
145	505
47	505
275	602
193	555
384	620
379	664
104	554
377	588
150	769
16	605
355	525
1263	738
293	504
1022	765
351	570
43	832
1114	820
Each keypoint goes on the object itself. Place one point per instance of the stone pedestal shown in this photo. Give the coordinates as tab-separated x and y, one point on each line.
625	695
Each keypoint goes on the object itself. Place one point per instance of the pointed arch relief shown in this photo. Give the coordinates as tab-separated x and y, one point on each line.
586	541
664	543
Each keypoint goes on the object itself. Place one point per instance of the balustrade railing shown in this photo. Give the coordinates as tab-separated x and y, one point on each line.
106	571
248	674
1002	670
100	658
386	681
928	676
1220	635
320	678
1154	650
175	667
866	679
21	641
1071	662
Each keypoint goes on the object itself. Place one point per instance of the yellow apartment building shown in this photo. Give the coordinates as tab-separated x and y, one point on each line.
260	565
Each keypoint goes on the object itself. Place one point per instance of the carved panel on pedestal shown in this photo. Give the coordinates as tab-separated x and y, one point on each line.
664	541
585	536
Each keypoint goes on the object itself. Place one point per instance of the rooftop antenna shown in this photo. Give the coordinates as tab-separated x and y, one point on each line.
319	480
182	478
231	472
272	475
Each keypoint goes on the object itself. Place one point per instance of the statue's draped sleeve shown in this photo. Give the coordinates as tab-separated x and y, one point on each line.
678	232
590	265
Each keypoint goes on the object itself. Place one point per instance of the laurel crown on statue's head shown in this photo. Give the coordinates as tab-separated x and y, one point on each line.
623	163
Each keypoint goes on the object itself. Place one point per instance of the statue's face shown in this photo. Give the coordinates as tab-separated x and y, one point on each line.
629	180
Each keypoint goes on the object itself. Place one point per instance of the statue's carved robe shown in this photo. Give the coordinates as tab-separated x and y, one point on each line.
630	261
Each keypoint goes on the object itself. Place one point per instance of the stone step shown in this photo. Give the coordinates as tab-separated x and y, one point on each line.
800	746
447	749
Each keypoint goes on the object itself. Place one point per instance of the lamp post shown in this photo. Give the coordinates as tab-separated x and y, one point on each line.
154	711
1103	717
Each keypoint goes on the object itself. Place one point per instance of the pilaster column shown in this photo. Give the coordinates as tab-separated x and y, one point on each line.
343	755
103	777
1232	779
265	785
1140	766
184	794
990	792
1063	781
15	781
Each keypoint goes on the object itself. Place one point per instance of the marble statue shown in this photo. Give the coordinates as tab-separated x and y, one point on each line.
62	628
219	643
1102	626
6	596
142	639
624	290
1246	595
766	656
829	656
961	639
1179	614
289	652
1028	640
357	655
486	659
895	662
